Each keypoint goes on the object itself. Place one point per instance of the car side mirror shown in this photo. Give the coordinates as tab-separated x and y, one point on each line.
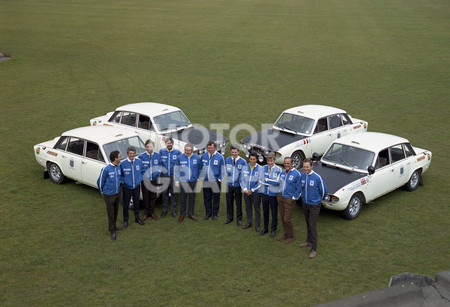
371	170
315	156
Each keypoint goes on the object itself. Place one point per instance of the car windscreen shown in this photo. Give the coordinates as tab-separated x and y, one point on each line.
171	121
349	156
123	144
295	123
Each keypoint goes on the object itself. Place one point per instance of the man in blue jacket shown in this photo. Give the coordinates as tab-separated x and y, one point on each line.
270	187
290	190
152	169
132	173
213	172
169	157
187	172
250	184
313	191
109	186
234	165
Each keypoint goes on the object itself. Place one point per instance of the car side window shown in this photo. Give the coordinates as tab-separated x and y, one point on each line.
383	159
62	143
346	119
75	146
409	151
322	125
115	118
129	119
397	153
93	152
335	121
144	122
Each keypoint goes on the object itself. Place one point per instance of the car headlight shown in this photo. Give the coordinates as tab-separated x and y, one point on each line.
266	152
260	159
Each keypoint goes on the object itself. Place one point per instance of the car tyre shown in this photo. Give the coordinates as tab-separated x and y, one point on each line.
354	207
55	173
297	159
413	181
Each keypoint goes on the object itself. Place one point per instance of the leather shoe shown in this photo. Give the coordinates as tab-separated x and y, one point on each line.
139	222
181	219
144	217
163	214
154	217
113	236
206	217
239	223
228	222
282	238
305	244
246	226
272	234
312	254
257	229
263	232
193	217
214	218
119	228
125	224
289	240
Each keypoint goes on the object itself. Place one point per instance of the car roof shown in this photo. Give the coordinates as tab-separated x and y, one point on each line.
314	111
150	109
100	134
373	141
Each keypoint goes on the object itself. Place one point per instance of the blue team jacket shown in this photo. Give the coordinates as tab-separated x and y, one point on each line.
132	174
169	159
250	178
109	180
234	171
213	169
290	184
152	169
271	186
187	169
313	188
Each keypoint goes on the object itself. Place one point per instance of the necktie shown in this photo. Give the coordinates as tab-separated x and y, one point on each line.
234	161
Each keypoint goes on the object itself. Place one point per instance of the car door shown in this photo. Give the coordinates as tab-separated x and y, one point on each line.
91	164
400	164
71	159
381	182
321	138
337	128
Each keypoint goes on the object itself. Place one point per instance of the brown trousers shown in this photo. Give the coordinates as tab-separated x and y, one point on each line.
286	206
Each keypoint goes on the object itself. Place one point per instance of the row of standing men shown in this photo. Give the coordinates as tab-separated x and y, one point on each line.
173	172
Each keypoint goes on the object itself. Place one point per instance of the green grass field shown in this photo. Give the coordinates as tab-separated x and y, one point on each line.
233	62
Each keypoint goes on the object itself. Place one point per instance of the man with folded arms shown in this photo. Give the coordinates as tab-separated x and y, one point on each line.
186	173
250	184
152	169
290	190
168	159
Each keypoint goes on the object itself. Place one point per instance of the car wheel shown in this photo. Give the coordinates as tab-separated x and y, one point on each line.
55	173
413	182
354	207
297	159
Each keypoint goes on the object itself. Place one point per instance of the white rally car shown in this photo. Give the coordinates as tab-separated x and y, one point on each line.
362	167
80	154
301	131
156	121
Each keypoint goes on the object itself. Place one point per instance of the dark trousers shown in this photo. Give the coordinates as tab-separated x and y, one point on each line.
187	190
311	215
211	197
272	203
149	196
112	208
286	206
234	194
127	195
168	186
253	202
